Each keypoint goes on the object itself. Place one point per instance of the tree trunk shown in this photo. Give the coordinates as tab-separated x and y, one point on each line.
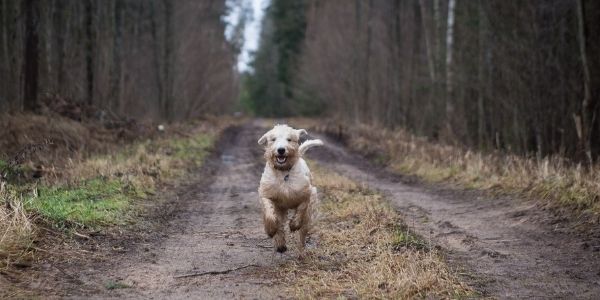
61	31
481	76
368	105
5	62
168	61
356	61
449	67
437	35
158	70
90	40
31	55
115	93
428	43
587	109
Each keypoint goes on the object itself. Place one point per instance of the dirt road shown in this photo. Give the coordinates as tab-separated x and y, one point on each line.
508	248
216	227
502	245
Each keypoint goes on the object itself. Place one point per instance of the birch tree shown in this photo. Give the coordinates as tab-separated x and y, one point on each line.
449	67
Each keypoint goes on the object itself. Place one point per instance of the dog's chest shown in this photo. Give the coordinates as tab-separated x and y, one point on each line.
285	186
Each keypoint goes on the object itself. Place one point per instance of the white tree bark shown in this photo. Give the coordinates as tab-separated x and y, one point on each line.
449	66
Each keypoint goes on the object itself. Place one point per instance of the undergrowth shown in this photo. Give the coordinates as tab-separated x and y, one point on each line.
553	181
94	192
365	251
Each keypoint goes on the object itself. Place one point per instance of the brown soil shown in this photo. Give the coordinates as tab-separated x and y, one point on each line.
506	248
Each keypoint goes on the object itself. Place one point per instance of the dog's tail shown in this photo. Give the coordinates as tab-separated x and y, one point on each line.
309	144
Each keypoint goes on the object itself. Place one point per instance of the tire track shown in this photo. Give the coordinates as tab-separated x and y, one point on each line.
501	241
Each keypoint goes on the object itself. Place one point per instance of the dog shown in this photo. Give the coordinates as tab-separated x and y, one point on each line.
286	184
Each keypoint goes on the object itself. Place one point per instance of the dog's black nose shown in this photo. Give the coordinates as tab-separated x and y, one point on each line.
281	151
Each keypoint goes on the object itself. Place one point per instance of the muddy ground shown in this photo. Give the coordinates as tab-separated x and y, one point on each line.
505	248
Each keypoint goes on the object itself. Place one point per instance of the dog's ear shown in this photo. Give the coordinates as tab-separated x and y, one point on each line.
263	140
301	132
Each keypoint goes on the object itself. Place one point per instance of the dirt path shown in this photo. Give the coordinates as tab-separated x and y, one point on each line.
216	226
511	248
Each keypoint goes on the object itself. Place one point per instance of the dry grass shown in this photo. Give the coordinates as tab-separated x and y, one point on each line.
365	251
16	229
90	188
554	181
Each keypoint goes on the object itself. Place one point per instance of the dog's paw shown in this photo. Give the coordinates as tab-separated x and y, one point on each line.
281	249
295	224
270	227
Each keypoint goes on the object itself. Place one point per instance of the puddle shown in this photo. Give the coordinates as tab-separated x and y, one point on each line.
227	159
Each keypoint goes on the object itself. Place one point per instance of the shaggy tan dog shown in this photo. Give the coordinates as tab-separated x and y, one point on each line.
286	184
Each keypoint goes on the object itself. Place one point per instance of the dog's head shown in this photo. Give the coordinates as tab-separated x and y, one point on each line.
281	146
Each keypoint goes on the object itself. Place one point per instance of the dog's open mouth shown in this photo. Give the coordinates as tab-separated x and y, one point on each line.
281	159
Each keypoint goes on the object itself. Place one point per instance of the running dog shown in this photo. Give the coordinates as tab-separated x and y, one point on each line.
286	184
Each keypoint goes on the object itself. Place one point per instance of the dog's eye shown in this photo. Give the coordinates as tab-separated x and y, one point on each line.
289	140
273	139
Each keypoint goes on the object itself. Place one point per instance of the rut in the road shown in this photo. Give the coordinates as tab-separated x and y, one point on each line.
510	254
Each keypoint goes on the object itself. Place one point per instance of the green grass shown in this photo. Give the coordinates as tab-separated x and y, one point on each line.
93	202
192	149
113	285
105	198
403	239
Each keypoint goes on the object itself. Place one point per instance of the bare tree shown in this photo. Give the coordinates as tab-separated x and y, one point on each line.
587	116
449	67
31	55
124	56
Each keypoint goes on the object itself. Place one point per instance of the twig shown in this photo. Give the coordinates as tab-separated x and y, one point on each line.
83	236
213	272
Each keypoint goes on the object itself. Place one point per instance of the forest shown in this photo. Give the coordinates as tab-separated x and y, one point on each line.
156	59
434	149
519	76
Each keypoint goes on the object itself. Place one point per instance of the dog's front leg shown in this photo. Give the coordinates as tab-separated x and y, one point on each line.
279	237
274	220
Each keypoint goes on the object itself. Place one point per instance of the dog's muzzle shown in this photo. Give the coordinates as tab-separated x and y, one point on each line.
281	159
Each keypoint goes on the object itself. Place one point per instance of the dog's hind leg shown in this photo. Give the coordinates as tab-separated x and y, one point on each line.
299	218
305	214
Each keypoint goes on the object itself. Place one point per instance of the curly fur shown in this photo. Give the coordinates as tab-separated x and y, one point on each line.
286	184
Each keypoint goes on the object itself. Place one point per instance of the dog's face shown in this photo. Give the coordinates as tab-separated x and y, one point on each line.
281	146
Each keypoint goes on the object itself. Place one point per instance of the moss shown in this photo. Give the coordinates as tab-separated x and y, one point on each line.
94	202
